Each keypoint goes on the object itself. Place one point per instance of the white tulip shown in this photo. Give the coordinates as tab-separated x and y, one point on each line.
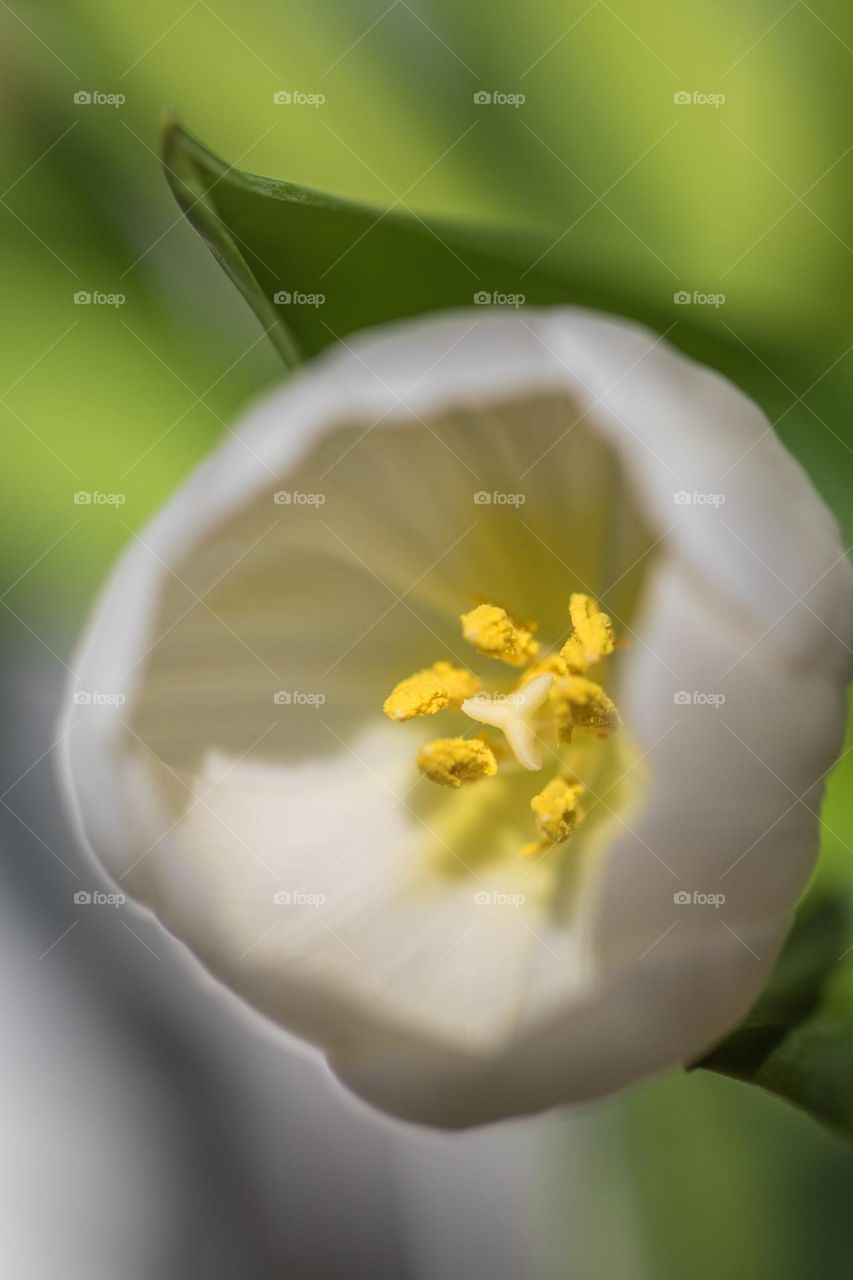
238	778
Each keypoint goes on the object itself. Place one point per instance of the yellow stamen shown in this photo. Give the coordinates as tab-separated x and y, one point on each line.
592	638
492	632
454	761
433	689
557	809
580	702
553	694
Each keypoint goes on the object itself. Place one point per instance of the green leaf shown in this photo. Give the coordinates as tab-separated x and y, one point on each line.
797	1042
371	266
375	266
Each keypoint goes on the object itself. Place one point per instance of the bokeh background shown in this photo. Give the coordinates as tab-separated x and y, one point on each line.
146	1134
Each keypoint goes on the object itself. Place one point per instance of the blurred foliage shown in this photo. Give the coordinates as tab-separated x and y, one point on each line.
750	198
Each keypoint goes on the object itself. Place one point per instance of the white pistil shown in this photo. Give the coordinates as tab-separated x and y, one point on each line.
514	715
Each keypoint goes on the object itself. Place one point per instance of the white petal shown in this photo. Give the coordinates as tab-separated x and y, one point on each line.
770	548
204	796
742	822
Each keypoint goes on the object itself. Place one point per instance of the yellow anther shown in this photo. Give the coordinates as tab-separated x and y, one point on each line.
557	810
460	684
592	638
433	689
453	761
581	703
553	696
492	632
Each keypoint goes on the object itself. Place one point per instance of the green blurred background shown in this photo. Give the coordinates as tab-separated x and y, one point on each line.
750	198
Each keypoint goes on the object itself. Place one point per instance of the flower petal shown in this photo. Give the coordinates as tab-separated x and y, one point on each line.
203	793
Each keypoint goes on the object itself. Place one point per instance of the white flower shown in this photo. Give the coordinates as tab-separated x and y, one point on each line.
251	793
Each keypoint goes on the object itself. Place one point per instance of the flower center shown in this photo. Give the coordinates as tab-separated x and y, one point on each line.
553	698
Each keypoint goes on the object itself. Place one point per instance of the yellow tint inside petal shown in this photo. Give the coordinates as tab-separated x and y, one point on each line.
540	714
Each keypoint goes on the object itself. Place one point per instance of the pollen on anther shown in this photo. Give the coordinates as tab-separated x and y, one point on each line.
557	809
592	637
429	691
581	703
451	762
492	632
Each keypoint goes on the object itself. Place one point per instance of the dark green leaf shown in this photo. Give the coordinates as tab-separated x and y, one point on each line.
797	1042
373	266
370	265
